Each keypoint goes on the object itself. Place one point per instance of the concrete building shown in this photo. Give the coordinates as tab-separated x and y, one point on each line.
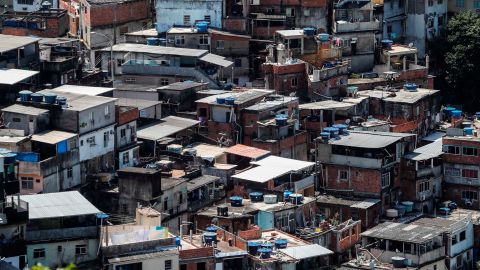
126	145
48	23
394	26
426	20
66	232
459	6
19	52
33	5
30	120
351	166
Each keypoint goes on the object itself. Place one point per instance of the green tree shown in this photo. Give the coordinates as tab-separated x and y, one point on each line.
463	60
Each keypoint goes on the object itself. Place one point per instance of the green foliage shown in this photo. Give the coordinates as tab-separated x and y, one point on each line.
39	266
463	60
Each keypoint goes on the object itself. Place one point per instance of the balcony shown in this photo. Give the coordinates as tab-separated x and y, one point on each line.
327	73
361	162
346	27
429	171
59	64
15	213
430	256
60	234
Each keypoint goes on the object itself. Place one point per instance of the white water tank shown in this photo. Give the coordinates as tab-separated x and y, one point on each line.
270	199
392	213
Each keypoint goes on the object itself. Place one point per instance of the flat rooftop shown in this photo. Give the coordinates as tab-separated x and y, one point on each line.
53	136
369	139
247	151
181	86
14	42
295	33
327	105
167	127
20	109
141	104
241	97
80	102
275	102
84	90
155	50
152	32
13	76
207	150
411	233
401	96
400	50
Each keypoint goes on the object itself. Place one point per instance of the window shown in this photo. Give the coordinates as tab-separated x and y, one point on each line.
119	62
130	80
385	180
470	151
107	111
238	62
203	40
460	3
466	173
424	186
80	249
451	149
476	4
186	19
25	2
294	82
168	265
220	44
39	253
469	195
69	172
452	171
208	18
165	204
91	140
123	133
163	81
59	249
454	239
125	158
401	3
430	3
389	29
180	198
105	139
180	40
463	235
342	175
27	182
439	2
440	20
16	119
81	142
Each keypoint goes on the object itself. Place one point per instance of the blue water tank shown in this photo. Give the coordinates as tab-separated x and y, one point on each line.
266	245
281	119
256	196
61	100
236	201
27	156
401	209
281	243
448	110
408	206
25	95
211	229
220	100
162	42
325	136
456	114
9	158
153	41
210	238
36	97
308	31
323	37
286	194
387	44
178	241
202	27
334	132
253	247
265	253
342	129
296	198
411	87
230	100
468	131
50	98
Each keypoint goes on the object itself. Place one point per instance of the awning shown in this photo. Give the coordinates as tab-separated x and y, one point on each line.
216	60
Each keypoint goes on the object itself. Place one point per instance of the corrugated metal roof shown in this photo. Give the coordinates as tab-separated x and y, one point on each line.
58	204
216	60
142	48
434	136
275	161
13	76
369	139
240	96
17	108
247	151
169	126
13	42
431	150
365	204
52	136
201	181
401	96
402	232
307	251
141	104
326	105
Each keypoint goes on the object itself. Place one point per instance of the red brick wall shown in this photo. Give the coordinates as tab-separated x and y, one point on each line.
362	180
251	234
102	15
461	158
196	253
238	25
454	192
127	116
56	27
280	78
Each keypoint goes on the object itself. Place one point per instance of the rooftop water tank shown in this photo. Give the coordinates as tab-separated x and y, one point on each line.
323	37
61	101
202	27
308	31
286	194
468	131
352	89
178	241
325	136
175	148
256	196
333	131
270	199
281	119
398	262
25	95
266	245
281	243
211	229
253	247
342	129
36	97
401	209
466	124
391	213
296	198
230	100
411	87
456	114
50	98
449	110
236	201
220	100
222	211
162	42
408	206
153	41
264	253
209	238
9	158
387	44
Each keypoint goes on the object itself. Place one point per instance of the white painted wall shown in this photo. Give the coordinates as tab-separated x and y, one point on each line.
98	148
35	6
132	156
67	255
154	263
